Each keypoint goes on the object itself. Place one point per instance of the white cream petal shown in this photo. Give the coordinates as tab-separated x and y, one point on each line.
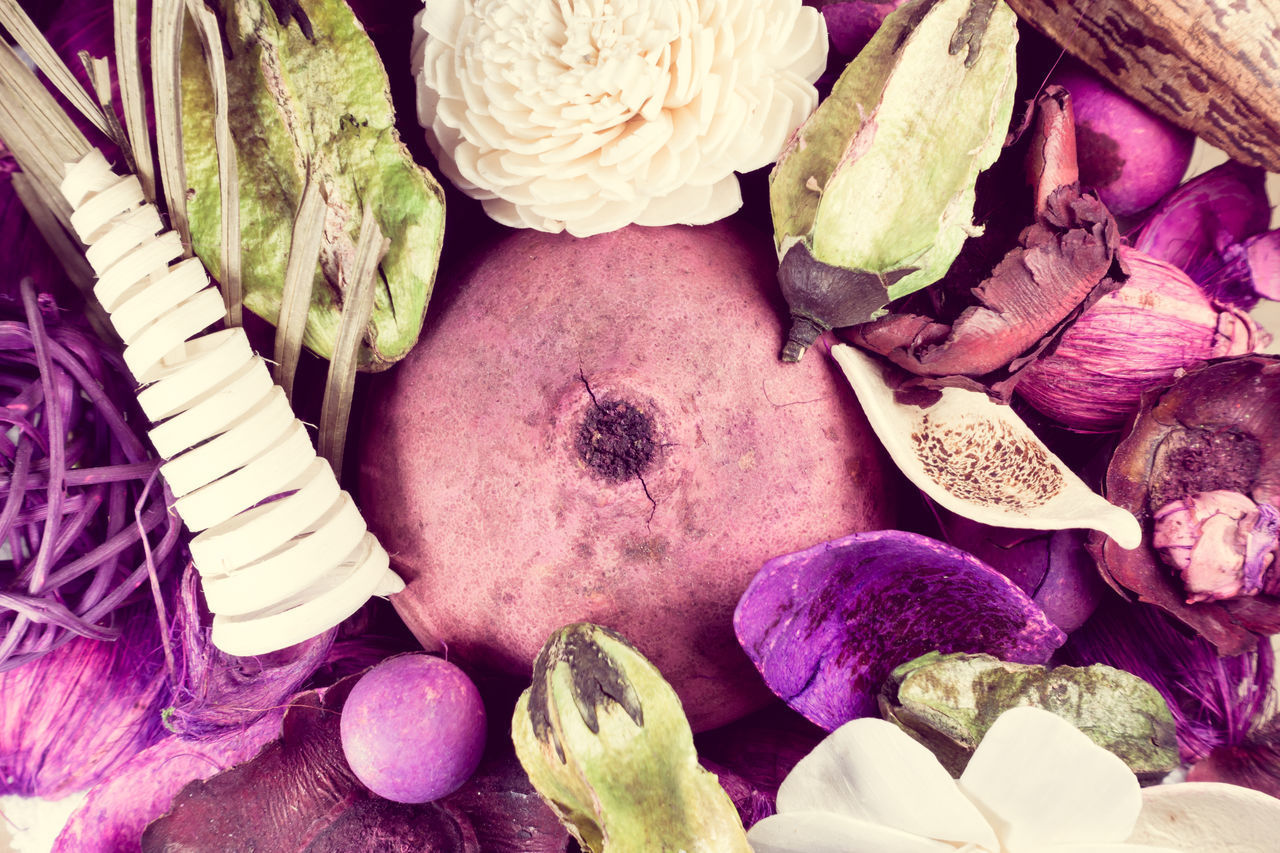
813	832
871	770
945	449
617	87
1208	816
1041	781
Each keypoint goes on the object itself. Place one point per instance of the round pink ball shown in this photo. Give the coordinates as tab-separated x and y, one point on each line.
1130	155
413	728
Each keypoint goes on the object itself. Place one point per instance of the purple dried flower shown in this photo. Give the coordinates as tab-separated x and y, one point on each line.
1217	428
219	693
1131	341
73	716
1051	566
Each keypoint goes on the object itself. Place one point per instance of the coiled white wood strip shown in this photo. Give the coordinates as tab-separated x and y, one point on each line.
283	552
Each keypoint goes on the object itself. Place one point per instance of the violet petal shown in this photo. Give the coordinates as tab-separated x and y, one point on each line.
824	626
1196	223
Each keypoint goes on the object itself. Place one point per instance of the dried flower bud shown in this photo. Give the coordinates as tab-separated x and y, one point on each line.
606	743
932	94
1132	340
1221	543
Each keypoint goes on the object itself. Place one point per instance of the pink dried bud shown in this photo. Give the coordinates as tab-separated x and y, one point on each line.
1130	341
1221	543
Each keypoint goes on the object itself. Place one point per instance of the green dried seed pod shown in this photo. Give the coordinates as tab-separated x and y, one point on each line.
879	182
605	742
949	701
316	108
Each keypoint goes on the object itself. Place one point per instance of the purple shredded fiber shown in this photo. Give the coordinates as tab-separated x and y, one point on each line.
1215	700
217	693
74	498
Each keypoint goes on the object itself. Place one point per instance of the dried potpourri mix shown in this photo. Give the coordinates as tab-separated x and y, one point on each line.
529	288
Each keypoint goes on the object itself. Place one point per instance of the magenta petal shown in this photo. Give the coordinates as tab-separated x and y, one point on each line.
824	626
1195	224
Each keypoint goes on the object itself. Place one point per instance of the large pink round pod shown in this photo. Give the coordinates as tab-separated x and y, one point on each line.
600	430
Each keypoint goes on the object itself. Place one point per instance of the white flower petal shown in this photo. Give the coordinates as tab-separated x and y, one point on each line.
871	770
1110	848
1041	781
814	832
1208	816
606	94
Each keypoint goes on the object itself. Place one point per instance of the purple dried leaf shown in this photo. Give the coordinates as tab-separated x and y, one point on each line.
824	626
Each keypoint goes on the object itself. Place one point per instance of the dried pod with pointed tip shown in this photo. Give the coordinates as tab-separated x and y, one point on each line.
606	743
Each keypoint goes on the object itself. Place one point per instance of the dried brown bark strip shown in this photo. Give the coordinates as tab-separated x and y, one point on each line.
1212	66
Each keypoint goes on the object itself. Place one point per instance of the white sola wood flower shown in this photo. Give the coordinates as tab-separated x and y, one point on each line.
588	115
1035	784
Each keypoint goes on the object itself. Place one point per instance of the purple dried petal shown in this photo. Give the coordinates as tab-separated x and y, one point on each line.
1199	221
824	626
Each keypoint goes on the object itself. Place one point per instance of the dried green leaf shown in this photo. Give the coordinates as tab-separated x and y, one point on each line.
606	743
99	70
133	97
295	295
357	308
36	130
166	49
949	701
314	109
228	171
36	46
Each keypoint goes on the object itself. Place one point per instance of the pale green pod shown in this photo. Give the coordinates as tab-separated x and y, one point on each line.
873	197
948	701
605	742
317	109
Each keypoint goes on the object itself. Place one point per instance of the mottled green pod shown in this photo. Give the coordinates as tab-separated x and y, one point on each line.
949	701
312	108
879	182
606	743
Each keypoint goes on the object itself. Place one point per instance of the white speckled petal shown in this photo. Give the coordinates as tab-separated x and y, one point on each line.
1041	782
1208	816
949	450
870	770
